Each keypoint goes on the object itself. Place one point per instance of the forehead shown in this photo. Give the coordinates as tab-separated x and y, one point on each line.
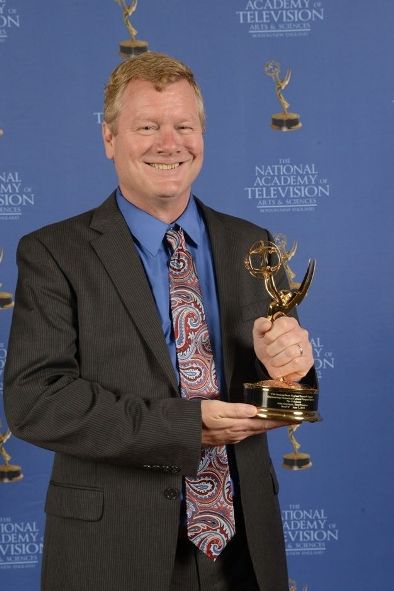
142	96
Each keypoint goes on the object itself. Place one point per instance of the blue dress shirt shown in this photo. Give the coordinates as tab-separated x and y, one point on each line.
148	234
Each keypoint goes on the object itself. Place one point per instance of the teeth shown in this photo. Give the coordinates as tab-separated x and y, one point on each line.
164	166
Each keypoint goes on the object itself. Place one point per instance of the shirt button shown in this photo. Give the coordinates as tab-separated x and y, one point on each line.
171	494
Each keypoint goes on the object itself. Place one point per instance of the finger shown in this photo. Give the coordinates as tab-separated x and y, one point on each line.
295	377
219	410
239	431
261	326
289	349
280	327
239	410
292	371
297	339
257	425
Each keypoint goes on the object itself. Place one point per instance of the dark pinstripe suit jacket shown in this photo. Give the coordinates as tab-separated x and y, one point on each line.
89	377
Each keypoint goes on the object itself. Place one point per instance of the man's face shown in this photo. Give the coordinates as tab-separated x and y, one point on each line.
158	145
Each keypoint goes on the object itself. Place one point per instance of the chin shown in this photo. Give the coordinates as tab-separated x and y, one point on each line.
173	193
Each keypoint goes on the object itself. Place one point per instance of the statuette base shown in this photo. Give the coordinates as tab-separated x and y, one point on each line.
10	473
286	121
6	300
132	47
296	461
282	401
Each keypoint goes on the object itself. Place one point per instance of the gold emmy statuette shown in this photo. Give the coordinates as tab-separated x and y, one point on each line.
130	47
278	399
283	121
6	300
8	472
281	242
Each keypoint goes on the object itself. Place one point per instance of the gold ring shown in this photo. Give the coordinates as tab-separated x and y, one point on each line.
301	349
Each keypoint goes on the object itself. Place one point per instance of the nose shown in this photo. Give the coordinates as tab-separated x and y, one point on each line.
168	140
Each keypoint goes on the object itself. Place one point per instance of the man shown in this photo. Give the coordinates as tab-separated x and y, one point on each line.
95	368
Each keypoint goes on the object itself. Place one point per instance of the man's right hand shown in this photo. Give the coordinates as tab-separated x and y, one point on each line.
224	423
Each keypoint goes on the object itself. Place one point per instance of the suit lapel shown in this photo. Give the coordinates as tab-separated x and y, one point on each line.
115	248
226	260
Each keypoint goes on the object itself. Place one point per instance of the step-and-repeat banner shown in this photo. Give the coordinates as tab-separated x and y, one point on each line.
326	183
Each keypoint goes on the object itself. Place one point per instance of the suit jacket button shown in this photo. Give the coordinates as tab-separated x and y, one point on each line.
171	494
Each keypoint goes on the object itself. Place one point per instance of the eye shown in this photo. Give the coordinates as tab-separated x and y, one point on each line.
185	128
147	128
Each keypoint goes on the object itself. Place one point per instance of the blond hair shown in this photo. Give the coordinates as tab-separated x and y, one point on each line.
158	68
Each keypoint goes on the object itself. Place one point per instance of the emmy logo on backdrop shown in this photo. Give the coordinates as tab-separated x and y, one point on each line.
8	472
279	399
6	300
293	586
296	460
130	47
283	121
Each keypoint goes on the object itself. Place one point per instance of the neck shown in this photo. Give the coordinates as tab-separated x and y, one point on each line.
165	210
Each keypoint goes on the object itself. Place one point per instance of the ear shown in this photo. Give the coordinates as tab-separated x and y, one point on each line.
109	141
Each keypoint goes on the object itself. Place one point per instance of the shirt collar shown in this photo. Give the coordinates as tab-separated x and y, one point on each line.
149	231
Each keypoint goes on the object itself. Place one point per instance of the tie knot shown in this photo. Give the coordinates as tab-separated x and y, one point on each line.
175	239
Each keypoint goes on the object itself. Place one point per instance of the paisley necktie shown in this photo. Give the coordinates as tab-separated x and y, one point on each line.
209	497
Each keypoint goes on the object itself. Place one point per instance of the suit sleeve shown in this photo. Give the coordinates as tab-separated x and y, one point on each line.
49	404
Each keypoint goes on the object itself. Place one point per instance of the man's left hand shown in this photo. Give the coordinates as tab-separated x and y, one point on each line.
283	347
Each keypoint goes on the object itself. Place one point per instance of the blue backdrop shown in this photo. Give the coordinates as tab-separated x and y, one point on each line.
328	185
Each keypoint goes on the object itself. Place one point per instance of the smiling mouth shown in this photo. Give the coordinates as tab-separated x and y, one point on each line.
161	166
